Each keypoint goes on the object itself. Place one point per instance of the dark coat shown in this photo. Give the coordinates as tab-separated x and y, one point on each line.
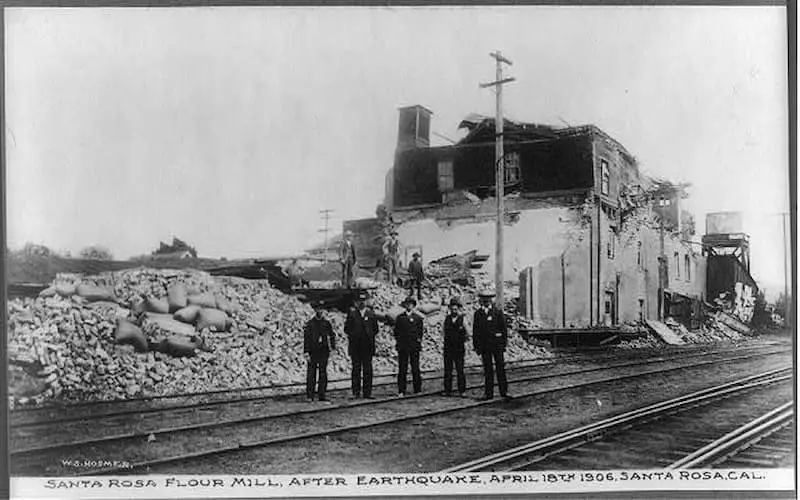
361	332
347	252
318	337
415	270
408	330
489	330
455	334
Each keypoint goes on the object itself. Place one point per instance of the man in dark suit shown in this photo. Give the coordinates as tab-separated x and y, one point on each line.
489	338
455	335
408	330
361	328
416	275
319	341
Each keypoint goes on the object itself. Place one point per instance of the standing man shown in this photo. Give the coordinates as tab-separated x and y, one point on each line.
408	332
361	327
455	335
417	275
295	273
347	256
319	341
391	252
489	337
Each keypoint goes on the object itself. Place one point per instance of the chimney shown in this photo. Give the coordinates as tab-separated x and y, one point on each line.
414	127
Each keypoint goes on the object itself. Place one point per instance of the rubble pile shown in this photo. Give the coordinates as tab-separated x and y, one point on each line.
62	344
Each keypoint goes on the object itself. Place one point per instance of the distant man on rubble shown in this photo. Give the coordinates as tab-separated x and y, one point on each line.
391	253
361	328
455	335
416	274
408	332
489	338
347	256
319	341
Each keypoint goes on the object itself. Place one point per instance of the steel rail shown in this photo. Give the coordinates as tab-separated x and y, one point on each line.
209	404
276	387
320	409
590	432
356	427
738	439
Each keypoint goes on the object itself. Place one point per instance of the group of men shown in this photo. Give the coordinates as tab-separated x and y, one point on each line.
391	263
489	339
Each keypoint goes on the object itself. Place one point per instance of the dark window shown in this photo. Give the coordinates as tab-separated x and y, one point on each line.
687	264
639	253
677	265
445	176
512	168
604	177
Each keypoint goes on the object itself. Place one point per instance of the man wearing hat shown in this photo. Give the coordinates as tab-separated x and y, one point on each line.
489	337
391	252
361	327
319	341
417	275
408	332
347	256
455	335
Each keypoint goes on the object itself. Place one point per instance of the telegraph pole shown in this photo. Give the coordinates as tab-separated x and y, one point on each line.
787	302
326	215
499	169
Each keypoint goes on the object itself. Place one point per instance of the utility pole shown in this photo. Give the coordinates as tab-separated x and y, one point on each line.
499	169
326	215
787	303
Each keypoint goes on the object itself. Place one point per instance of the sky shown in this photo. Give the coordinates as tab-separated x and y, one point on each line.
231	128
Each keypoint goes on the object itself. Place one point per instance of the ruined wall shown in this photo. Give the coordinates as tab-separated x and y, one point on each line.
536	236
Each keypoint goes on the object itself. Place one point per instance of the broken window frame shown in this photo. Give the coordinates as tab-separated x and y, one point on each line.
445	177
512	165
610	246
605	177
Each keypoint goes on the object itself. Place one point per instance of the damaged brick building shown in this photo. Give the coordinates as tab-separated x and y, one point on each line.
595	240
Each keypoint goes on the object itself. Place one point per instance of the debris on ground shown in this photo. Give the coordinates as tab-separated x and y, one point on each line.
109	343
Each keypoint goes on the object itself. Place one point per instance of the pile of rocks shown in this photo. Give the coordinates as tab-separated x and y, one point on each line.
62	344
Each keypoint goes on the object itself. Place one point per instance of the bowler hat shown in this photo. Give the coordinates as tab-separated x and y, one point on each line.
486	294
416	254
455	302
317	304
409	300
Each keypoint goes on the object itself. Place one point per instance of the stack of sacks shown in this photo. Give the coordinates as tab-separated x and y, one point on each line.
64	347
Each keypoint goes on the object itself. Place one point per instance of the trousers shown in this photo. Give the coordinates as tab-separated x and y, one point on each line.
361	375
347	274
496	356
317	367
415	283
403	358
451	360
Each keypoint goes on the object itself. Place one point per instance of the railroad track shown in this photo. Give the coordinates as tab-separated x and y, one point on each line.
673	434
85	411
145	449
765	441
104	428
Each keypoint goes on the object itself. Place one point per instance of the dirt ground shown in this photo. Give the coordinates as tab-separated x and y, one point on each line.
434	443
